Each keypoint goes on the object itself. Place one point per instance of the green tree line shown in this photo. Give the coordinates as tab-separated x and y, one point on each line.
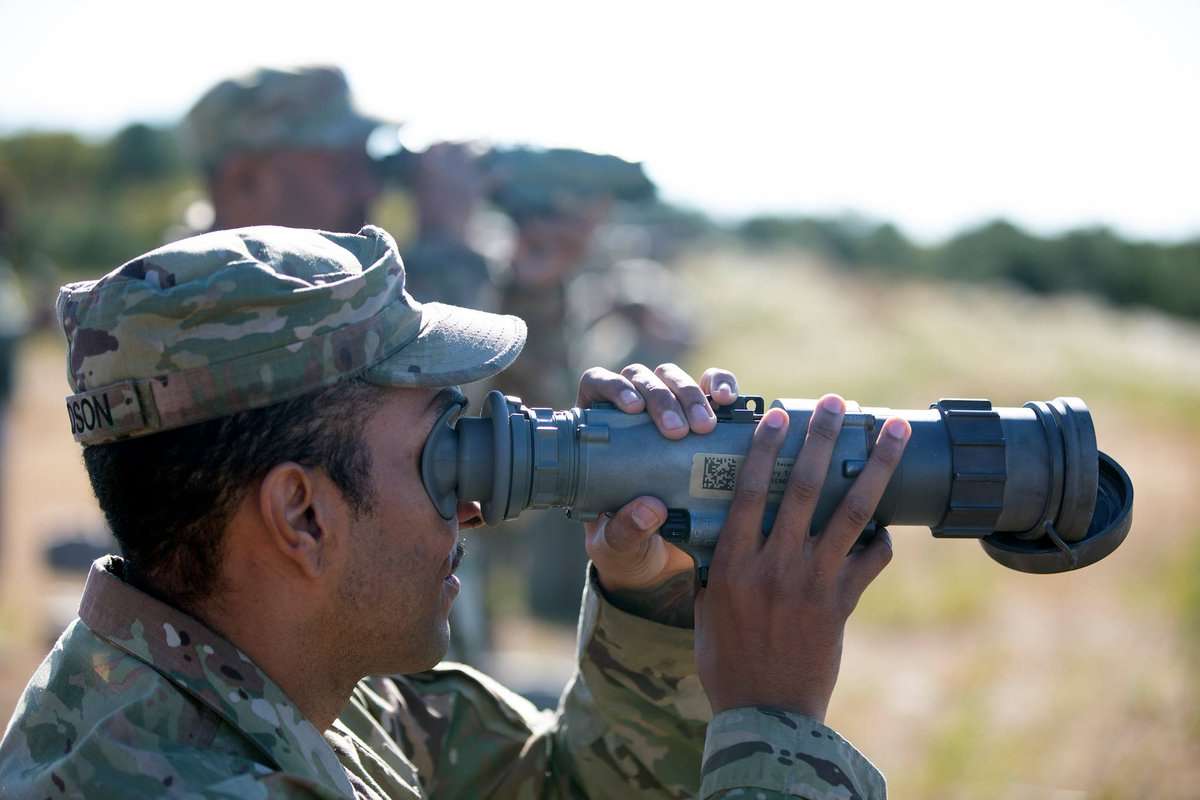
1095	260
88	205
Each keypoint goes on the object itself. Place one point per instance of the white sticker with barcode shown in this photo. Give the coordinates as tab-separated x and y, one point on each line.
714	475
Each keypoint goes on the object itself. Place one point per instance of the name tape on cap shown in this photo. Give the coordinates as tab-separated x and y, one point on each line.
105	414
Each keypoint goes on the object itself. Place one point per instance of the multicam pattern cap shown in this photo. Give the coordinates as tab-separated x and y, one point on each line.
270	109
234	320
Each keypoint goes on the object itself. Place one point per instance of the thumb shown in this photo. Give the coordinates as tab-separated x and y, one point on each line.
864	566
631	528
625	547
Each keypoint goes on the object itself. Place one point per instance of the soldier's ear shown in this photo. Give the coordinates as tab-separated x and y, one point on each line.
304	517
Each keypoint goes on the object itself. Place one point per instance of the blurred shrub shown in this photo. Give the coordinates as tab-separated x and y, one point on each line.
90	205
140	153
850	240
1095	260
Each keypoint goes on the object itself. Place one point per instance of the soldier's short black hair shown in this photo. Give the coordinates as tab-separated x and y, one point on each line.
169	496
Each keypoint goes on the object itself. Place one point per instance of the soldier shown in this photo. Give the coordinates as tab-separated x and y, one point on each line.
284	147
288	147
252	405
551	244
448	188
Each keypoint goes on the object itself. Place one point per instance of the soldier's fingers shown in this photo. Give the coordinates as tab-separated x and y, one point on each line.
742	533
720	384
863	567
601	384
792	525
661	404
700	415
858	506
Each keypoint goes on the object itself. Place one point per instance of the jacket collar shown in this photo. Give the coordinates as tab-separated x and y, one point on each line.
212	670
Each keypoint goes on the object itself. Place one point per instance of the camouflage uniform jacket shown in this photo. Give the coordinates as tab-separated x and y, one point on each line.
138	699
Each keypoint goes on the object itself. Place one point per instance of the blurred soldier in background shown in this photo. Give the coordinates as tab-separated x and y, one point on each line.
13	323
557	200
284	147
448	188
288	147
551	243
550	248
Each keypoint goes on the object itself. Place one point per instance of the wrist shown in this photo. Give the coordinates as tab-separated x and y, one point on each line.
645	575
668	602
814	710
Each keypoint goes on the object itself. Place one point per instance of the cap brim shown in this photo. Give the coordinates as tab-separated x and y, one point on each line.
455	345
353	131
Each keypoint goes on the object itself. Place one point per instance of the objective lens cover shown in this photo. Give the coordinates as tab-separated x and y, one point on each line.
1111	519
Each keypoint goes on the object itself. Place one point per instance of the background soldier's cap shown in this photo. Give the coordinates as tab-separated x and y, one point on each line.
234	320
274	109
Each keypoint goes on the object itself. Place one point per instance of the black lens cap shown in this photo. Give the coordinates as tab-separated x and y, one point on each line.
1111	520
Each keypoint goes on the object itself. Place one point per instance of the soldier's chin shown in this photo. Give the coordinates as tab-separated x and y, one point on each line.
438	648
417	656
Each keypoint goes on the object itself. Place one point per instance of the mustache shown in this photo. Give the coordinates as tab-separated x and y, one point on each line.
460	552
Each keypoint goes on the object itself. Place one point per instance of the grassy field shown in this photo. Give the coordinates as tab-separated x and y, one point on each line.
961	679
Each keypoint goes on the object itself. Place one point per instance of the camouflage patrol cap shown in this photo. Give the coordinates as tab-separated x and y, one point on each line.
238	319
271	109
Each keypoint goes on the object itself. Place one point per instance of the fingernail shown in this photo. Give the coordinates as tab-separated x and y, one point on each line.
644	517
775	418
699	414
672	421
628	397
833	404
896	428
724	388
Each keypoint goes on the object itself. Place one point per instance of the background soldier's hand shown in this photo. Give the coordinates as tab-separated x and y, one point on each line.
634	563
769	626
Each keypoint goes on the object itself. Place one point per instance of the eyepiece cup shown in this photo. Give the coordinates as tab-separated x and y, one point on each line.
496	408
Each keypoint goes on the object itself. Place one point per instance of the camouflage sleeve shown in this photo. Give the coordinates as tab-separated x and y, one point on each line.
634	717
631	722
781	754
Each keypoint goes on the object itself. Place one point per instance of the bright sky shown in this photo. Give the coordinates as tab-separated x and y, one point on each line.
932	114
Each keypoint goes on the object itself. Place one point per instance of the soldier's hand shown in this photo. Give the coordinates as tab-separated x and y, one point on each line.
625	547
769	625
